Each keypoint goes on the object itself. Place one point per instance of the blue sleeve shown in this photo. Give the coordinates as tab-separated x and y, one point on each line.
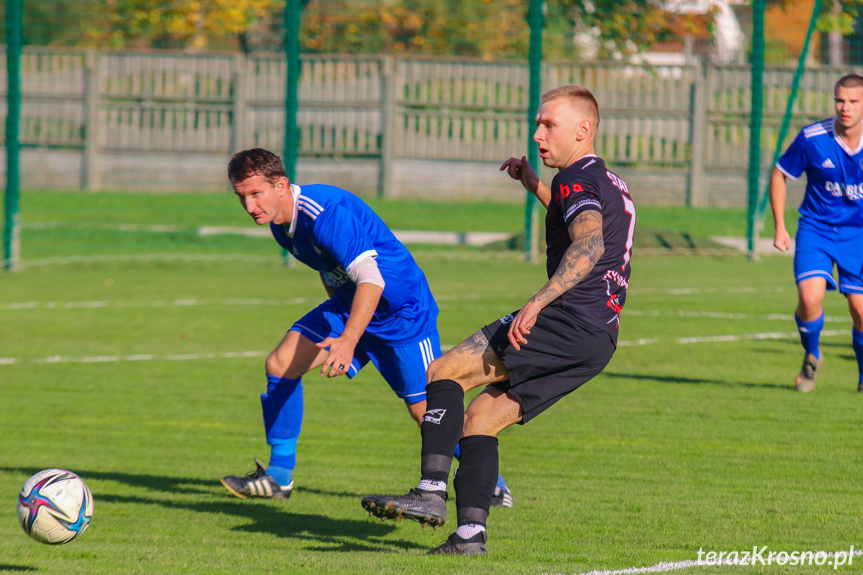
344	236
795	159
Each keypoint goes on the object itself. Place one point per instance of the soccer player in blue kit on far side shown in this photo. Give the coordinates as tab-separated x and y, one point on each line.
830	227
380	309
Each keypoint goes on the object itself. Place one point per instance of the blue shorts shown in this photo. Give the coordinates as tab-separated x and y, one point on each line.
818	246
403	366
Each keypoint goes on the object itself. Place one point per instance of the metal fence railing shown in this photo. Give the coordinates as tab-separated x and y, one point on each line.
676	118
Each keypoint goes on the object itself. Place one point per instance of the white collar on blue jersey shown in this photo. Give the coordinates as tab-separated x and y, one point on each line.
295	193
842	143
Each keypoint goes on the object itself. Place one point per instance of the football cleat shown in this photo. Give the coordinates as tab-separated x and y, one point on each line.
860	387
455	545
805	381
502	497
424	507
257	484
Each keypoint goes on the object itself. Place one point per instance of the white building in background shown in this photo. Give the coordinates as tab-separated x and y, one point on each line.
726	46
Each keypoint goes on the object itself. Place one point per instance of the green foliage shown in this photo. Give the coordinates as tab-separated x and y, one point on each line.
624	28
839	16
475	28
479	28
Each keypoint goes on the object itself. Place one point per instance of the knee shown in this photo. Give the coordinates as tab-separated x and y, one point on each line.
809	307
273	365
438	369
474	424
281	365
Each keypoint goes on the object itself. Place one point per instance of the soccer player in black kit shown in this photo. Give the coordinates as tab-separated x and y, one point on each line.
563	336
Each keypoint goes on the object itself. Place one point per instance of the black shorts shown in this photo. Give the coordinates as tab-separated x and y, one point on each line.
562	353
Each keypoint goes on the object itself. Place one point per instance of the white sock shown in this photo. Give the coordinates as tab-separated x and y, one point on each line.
469	530
432	485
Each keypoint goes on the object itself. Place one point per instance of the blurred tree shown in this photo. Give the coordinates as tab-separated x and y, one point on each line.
479	28
487	29
58	22
182	24
624	28
837	20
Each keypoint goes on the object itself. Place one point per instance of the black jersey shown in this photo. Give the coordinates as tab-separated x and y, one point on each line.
589	185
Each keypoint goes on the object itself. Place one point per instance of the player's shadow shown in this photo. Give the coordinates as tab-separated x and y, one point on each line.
4	568
329	534
694	380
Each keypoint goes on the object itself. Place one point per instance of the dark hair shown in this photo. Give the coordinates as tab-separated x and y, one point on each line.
255	162
849	81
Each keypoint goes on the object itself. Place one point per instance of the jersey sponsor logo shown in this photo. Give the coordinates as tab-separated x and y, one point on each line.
618	183
614	303
827	164
434	416
506	319
335	278
565	191
616	278
850	191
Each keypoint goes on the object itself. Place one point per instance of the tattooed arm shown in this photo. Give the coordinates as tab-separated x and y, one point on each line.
580	257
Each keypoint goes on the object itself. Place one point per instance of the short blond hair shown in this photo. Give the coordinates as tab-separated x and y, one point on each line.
579	97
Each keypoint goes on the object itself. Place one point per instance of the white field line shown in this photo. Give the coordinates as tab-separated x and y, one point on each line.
724	338
726	315
404	236
185	257
233	302
182	302
241	302
135	357
685	291
144	258
189	302
665	567
245	354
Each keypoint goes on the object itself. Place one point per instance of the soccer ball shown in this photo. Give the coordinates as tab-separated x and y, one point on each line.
55	506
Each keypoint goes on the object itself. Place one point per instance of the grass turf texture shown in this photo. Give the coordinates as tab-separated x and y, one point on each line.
75	225
676	446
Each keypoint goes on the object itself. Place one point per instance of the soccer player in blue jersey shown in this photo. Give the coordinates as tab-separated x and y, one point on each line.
564	335
830	227
379	310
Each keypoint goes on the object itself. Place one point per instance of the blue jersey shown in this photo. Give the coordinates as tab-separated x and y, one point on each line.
834	174
331	231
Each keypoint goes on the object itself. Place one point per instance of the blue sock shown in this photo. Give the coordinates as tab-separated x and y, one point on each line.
284	452
810	334
500	480
282	406
857	344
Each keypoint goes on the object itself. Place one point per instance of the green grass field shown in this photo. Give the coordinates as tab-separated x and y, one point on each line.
142	374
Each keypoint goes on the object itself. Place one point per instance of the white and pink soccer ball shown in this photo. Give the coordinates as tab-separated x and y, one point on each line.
55	506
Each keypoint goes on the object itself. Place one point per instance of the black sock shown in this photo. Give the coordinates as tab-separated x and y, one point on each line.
441	427
475	478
